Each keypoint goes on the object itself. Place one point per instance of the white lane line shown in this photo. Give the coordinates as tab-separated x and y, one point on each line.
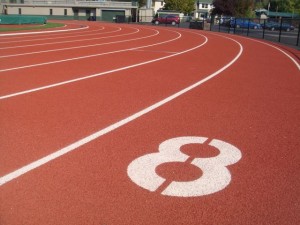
98	74
56	38
273	46
13	175
76	47
42	37
270	45
82	57
43	32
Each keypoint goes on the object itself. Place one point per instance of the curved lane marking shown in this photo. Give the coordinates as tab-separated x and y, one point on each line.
40	37
51	38
97	74
270	45
279	49
43	32
81	46
19	172
81	57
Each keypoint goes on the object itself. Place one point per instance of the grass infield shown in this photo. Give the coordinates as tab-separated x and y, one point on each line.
29	27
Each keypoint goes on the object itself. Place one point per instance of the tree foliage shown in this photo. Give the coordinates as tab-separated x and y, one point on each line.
284	5
225	7
183	6
236	8
244	8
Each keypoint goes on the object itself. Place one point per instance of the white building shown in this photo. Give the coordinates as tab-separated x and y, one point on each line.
203	9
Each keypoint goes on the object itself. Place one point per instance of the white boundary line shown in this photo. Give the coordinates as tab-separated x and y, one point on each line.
42	37
81	142
84	57
81	46
56	38
266	43
43	32
98	74
279	49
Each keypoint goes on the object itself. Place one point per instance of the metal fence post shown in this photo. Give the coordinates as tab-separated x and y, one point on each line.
264	28
248	27
298	33
280	30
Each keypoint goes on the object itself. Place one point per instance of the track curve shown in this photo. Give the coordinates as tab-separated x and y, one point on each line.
79	107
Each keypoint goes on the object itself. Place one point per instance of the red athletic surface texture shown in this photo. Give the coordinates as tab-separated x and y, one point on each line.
252	103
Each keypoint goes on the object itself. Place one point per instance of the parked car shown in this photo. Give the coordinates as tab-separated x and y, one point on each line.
166	19
225	21
277	26
244	23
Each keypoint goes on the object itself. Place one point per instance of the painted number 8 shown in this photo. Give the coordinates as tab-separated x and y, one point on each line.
215	175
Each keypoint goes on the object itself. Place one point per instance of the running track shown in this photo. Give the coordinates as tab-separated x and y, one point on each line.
93	116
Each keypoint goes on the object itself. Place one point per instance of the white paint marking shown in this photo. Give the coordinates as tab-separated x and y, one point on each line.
56	38
215	177
290	57
77	47
13	175
43	32
98	74
273	46
87	56
42	37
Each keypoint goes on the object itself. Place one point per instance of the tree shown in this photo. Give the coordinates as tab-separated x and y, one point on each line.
183	6
259	4
236	8
244	8
283	5
225	7
297	7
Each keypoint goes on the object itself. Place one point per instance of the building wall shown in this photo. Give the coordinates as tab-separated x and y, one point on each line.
203	9
39	10
58	11
65	9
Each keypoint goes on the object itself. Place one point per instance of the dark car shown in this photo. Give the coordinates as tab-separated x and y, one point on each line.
244	23
166	19
277	26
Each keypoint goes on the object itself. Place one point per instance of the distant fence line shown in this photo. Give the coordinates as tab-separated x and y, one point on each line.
282	30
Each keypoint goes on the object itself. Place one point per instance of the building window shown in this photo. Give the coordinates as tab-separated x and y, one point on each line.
65	12
88	12
20	11
51	12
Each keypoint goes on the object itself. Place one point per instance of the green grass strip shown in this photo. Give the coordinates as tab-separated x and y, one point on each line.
46	26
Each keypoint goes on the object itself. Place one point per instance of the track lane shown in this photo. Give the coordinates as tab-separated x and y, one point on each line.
104	89
65	42
89	64
58	35
69	27
253	108
69	50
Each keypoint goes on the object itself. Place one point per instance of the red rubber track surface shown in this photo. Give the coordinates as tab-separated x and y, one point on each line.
253	104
